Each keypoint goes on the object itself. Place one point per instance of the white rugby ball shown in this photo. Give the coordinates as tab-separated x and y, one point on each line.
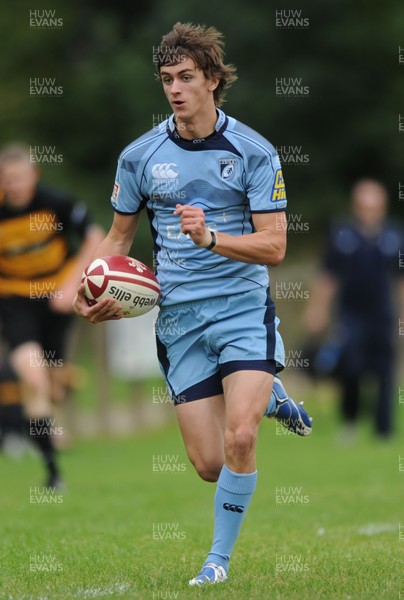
126	280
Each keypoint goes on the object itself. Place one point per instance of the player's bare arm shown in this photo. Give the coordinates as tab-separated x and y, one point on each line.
63	302
117	242
318	311
266	246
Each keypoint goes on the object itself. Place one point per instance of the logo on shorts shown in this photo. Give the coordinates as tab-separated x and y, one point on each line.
115	193
233	507
227	168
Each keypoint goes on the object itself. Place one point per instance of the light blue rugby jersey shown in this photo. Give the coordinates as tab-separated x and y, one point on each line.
231	174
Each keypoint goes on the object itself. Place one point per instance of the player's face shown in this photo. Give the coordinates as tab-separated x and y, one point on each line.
369	204
188	91
18	180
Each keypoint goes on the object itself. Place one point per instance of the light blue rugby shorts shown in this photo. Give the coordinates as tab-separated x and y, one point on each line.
199	343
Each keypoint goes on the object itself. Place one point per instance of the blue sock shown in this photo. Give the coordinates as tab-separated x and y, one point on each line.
271	406
233	496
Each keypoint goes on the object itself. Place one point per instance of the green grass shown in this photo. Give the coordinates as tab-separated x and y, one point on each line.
101	535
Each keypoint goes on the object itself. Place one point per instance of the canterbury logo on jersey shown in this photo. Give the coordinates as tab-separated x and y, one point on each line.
164	171
233	507
278	190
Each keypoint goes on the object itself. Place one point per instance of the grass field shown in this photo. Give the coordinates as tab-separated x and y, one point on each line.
324	522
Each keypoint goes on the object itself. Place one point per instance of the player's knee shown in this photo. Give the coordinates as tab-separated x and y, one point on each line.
30	365
240	440
208	471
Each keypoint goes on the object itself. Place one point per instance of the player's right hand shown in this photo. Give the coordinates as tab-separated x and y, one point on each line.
105	310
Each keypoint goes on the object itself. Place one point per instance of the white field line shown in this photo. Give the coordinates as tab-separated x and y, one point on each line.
375	528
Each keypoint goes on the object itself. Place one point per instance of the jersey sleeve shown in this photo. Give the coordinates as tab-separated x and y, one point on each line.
265	184
126	196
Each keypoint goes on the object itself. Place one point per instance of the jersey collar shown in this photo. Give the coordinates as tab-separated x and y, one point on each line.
220	126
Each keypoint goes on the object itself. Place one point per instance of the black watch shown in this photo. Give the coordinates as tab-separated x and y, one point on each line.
213	242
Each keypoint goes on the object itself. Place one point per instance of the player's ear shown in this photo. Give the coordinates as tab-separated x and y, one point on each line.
213	83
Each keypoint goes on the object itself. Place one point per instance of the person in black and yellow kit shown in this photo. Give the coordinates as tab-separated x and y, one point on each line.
39	275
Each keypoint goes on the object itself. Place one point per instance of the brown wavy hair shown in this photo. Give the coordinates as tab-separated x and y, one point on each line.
205	46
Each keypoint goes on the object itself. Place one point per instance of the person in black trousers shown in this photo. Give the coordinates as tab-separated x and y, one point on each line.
362	270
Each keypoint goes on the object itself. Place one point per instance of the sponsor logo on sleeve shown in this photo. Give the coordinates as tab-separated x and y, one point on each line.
278	190
115	193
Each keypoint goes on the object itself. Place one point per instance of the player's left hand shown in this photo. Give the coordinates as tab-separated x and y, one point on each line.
192	219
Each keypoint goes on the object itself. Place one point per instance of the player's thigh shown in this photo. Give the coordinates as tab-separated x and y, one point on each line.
202	424
190	367
246	397
246	393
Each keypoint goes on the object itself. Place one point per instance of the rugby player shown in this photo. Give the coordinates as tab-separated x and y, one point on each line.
39	275
215	196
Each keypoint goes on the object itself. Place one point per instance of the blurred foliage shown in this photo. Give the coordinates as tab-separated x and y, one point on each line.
102	56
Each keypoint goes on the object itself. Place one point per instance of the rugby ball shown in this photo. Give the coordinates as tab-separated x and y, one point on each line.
126	280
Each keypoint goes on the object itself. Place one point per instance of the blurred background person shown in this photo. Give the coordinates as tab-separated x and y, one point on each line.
358	278
13	439
40	269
